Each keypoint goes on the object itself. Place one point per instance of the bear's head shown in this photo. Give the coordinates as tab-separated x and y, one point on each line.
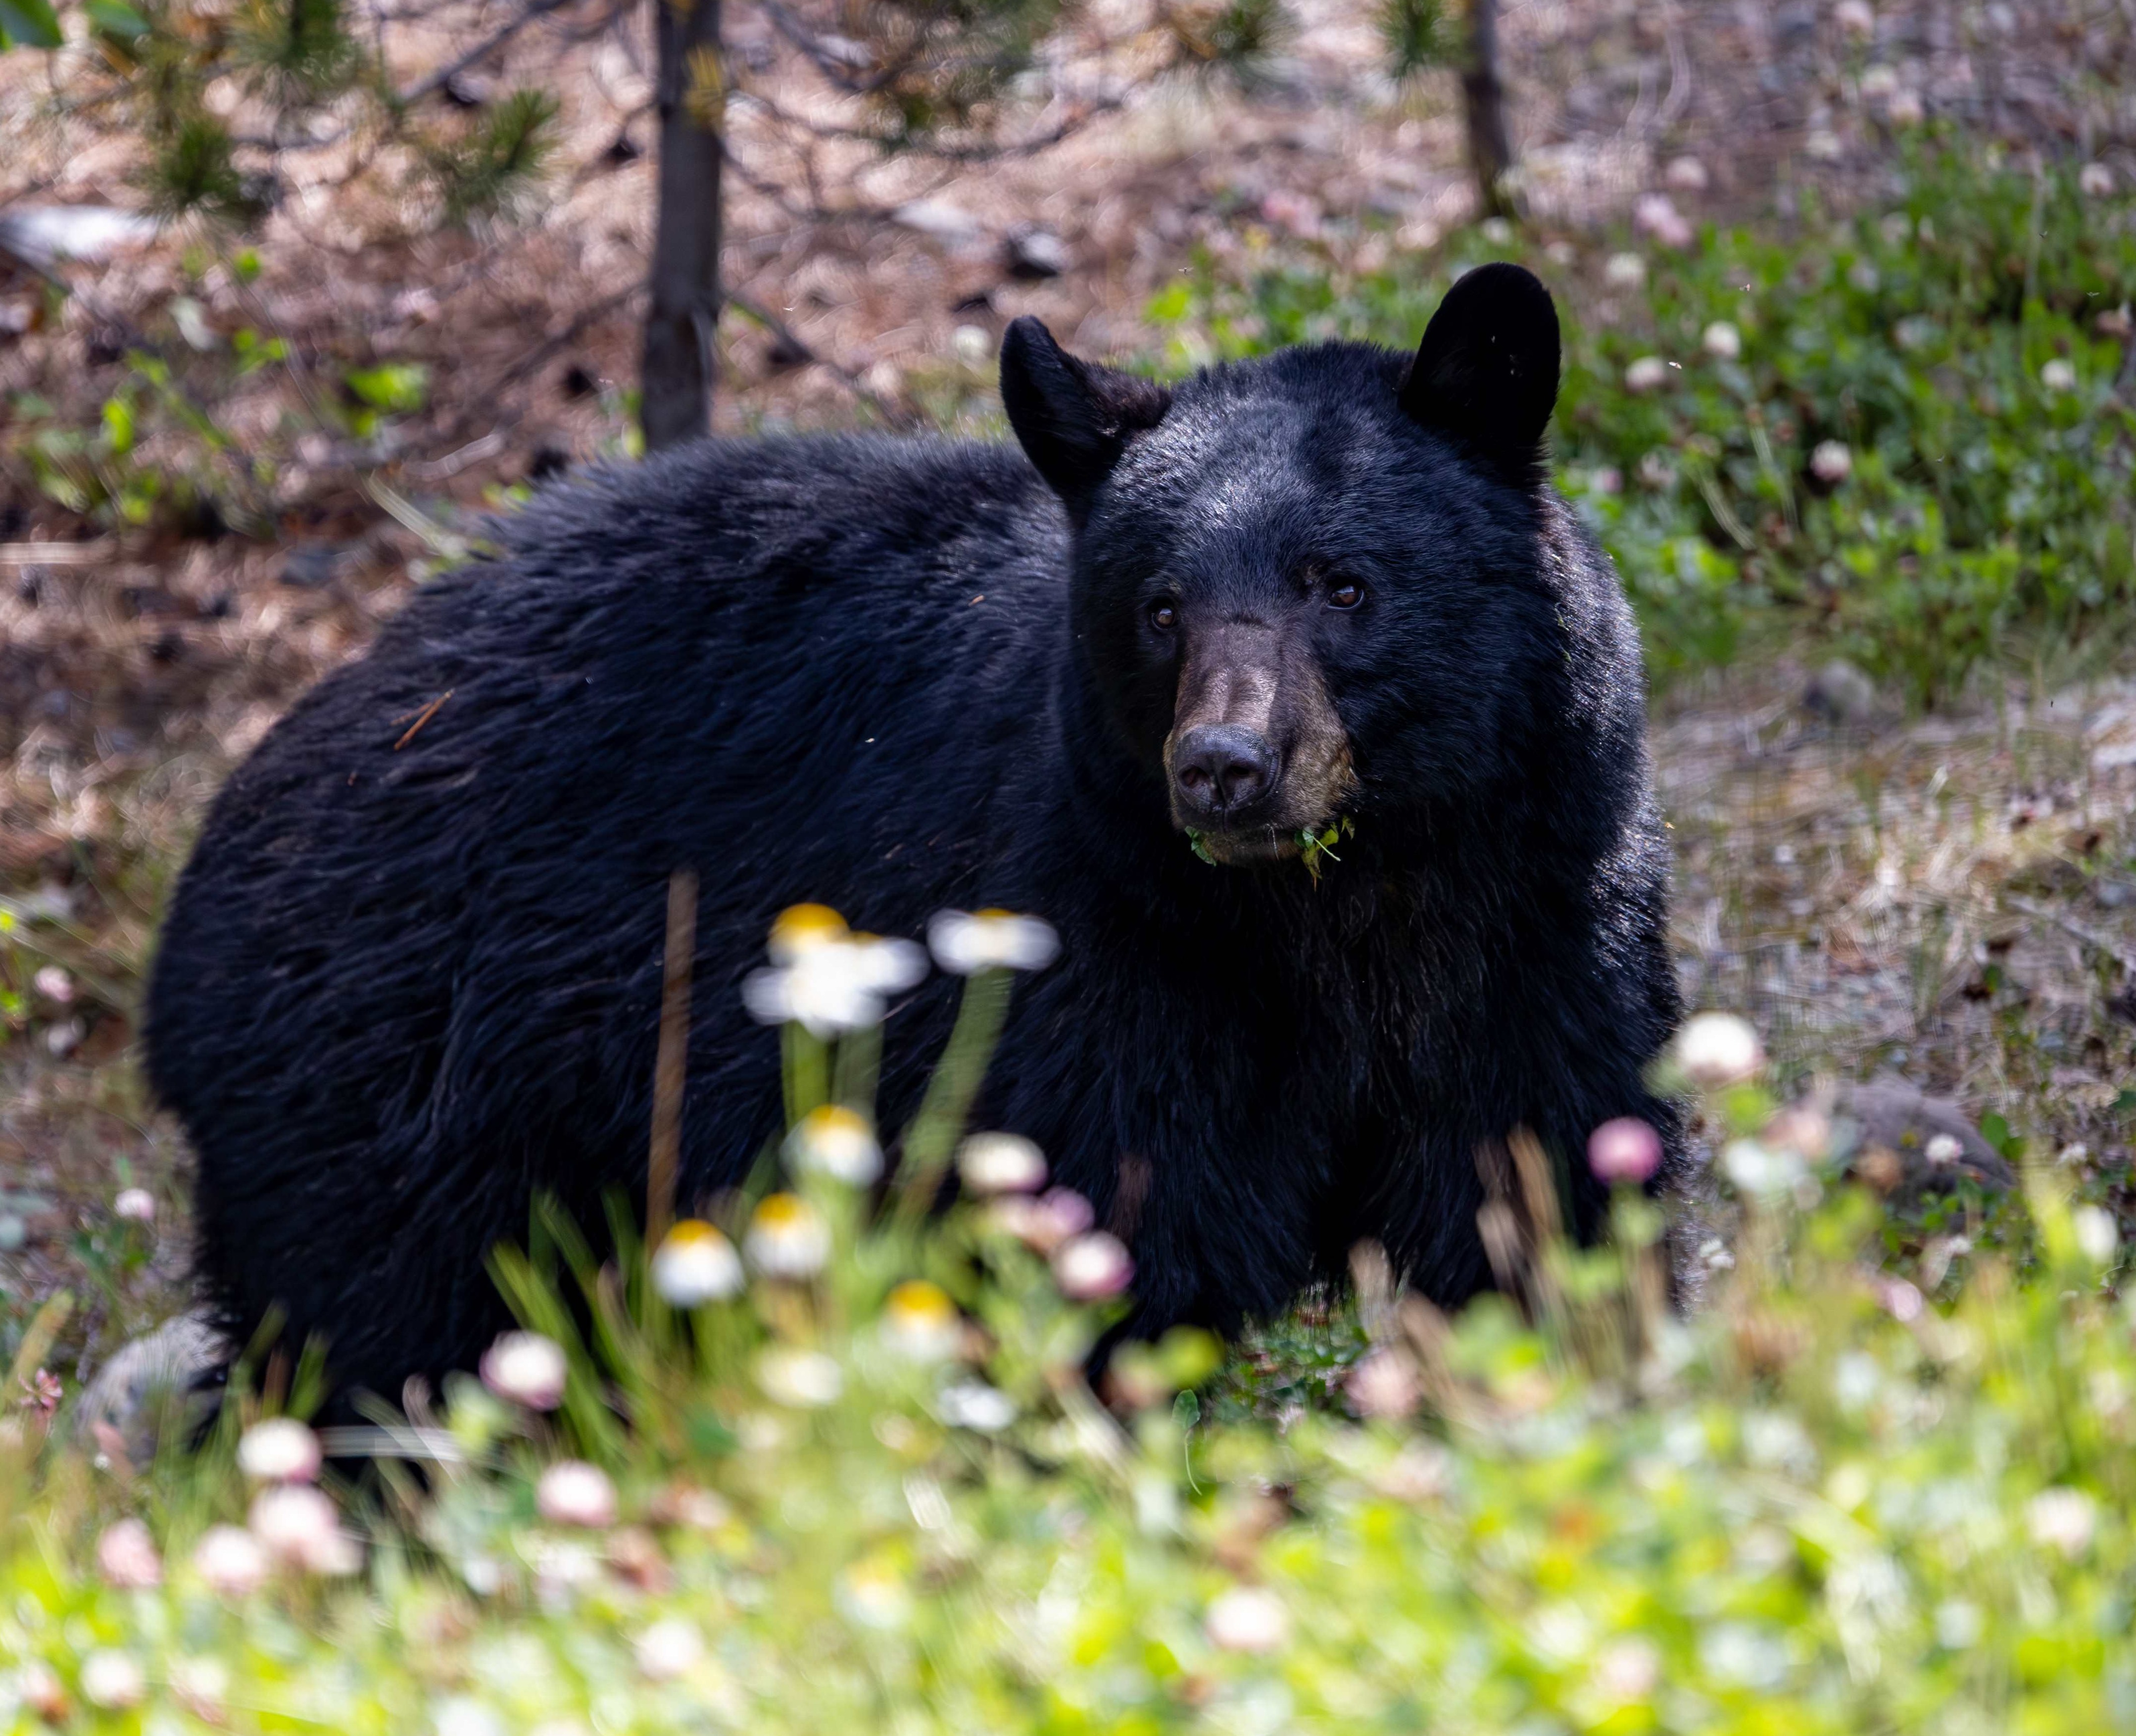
1311	584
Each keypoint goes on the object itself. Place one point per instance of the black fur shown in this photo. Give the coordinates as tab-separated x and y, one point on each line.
401	987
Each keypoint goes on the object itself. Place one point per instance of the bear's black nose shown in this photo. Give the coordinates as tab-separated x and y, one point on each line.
1222	770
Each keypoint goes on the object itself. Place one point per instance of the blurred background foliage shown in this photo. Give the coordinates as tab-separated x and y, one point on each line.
1958	350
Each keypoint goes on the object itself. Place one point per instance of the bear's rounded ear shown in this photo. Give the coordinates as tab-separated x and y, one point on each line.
1487	370
1073	418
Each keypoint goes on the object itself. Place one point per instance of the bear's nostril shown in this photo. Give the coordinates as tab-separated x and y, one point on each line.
1222	769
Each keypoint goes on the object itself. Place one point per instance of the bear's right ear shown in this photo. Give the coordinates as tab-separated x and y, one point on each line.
1073	418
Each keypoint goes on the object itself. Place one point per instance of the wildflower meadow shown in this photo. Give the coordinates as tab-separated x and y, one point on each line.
828	1458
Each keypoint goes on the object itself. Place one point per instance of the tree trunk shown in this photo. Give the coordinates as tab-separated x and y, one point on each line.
1490	145
675	385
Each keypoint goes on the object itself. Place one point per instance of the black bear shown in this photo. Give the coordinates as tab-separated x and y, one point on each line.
1123	678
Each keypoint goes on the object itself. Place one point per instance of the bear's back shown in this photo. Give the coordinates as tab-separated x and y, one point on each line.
758	658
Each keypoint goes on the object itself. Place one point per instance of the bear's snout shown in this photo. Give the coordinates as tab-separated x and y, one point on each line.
1256	754
1222	771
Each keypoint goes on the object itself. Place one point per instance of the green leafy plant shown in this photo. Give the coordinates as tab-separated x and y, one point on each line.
1417	35
496	170
28	24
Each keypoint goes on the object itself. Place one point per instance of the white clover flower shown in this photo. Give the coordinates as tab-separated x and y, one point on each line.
280	1450
1760	1170
1627	1670
1656	215
136	1205
1901	1300
787	1238
1001	1163
668	1649
39	1688
54	984
1830	461
563	1568
800	1379
2062	1519
1624	271
990	940
462	1715
526	1369
1722	340
202	1686
126	1556
874	1595
1718	1050
230	1561
1624	1149
1044	1222
572	1492
696	1265
1958	1625
2098	1236
2059	375
1647	374
1422	1470
1687	174
831	1140
1906	108
1383	1382
297	1526
1878	83
920	1323
1945	1148
973	1404
112	1681
1854	18
2095	181
1093	1266
1246	1619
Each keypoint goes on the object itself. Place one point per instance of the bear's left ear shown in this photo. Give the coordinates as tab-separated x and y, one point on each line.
1487	370
1073	418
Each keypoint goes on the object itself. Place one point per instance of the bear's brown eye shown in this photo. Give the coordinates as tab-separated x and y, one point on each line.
1348	594
1163	616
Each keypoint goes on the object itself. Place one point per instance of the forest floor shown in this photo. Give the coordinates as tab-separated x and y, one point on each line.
1948	897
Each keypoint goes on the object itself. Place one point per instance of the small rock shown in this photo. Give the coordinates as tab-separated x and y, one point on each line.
1907	1144
311	565
1032	254
468	91
152	1389
1842	692
936	217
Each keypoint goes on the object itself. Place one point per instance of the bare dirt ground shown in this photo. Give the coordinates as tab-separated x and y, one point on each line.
1950	897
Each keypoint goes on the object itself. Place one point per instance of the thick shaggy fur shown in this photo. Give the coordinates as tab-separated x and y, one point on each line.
403	986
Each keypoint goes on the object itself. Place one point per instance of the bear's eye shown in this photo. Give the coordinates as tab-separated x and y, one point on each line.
1163	616
1345	594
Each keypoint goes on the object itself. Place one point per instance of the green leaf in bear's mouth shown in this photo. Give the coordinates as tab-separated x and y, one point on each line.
1312	845
1195	844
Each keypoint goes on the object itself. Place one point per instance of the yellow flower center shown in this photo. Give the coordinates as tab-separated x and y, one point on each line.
917	1303
782	1212
800	926
835	1121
